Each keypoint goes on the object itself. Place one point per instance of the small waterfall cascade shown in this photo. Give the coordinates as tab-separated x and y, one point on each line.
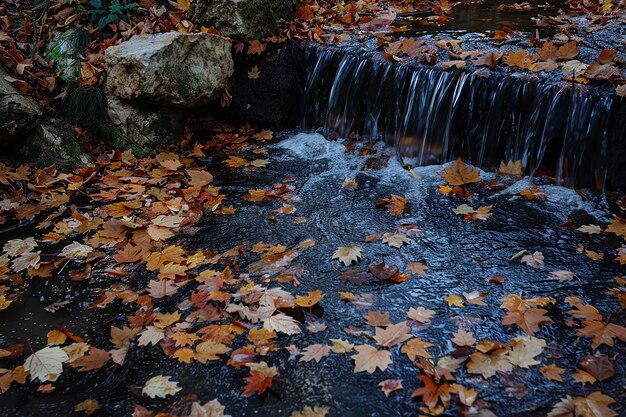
433	116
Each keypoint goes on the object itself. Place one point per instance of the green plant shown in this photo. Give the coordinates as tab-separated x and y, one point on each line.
85	106
105	14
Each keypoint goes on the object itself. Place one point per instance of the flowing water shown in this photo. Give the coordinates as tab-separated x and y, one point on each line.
433	116
459	254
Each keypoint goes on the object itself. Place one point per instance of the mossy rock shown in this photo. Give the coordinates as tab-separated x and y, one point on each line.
243	19
50	144
65	49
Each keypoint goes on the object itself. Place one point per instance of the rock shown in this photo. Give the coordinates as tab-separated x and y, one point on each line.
19	113
173	69
52	144
64	49
144	127
274	98
245	19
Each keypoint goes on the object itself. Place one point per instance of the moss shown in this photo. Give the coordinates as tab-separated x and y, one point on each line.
65	50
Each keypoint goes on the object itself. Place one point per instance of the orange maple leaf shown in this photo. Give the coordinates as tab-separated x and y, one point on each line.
432	392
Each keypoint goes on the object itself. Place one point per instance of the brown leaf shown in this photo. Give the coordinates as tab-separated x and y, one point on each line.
392	334
94	359
368	359
460	174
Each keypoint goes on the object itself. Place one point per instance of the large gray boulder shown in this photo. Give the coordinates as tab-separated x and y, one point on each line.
172	69
19	113
244	19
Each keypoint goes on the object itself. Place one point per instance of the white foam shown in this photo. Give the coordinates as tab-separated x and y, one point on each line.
315	148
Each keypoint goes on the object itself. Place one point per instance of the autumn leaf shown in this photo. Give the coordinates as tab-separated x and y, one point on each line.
416	268
94	359
602	333
368	359
433	393
376	318
416	347
618	227
395	240
395	205
314	352
463	338
89	406
307	411
341	346
56	337
160	386
312	298
347	254
461	174
530	320
520	59
534	260
390	385
393	334
420	314
553	372
46	364
261	378
513	168
254	73
598	365
488	364
454	300
595	404
524	351
282	323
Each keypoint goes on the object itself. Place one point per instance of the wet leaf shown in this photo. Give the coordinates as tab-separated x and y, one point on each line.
160	386
315	411
314	352
432	392
420	314
553	372
347	254
395	240
595	404
390	385
393	334
416	347
368	359
463	338
461	174
46	364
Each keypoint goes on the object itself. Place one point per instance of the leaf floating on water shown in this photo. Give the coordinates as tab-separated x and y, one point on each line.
395	205
395	240
595	404
46	364
307	411
562	275
420	314
553	372
368	359
591	229
534	260
160	386
347	254
390	385
314	352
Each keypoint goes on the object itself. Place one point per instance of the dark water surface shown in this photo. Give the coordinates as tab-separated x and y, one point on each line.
459	254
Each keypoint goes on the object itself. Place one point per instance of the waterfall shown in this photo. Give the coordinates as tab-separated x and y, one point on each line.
433	116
